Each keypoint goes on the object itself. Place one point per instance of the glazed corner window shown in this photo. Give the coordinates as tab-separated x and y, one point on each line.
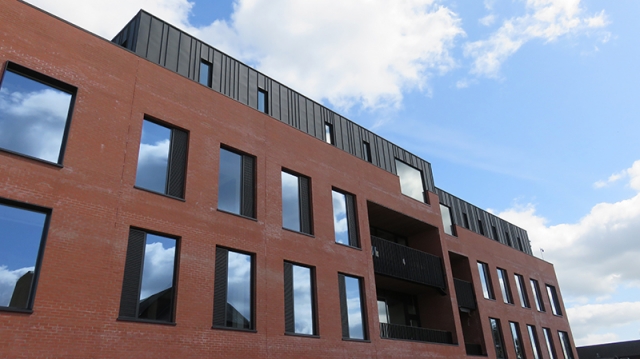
447	222
299	303
205	73
328	134
535	345
296	203
485	280
344	218
522	291
162	159
504	286
517	340
553	299
498	341
35	111
535	287
148	287
233	290
263	101
410	181
23	230
566	345
366	151
352	307
549	340
236	185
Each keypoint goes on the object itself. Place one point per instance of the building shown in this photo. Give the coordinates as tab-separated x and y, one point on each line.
159	198
619	350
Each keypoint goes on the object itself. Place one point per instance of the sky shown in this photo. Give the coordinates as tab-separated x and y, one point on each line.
523	107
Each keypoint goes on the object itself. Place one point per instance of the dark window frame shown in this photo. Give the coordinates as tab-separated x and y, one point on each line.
535	285
565	343
499	339
53	83
485	273
481	227
248	187
328	127
366	151
352	218
505	287
305	202
548	339
535	341
289	308
132	284
522	290
209	66
342	293
452	227
48	212
219	316
517	340
176	185
554	300
265	94
425	197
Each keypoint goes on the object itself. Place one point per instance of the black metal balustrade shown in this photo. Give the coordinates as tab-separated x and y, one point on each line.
464	293
406	263
395	331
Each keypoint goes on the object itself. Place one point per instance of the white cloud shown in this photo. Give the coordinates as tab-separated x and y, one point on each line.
593	258
586	320
8	279
545	19
488	20
633	173
158	269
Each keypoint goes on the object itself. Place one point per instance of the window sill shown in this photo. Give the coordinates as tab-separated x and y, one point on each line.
348	246
237	215
40	160
217	327
16	310
145	321
312	336
159	193
356	340
298	232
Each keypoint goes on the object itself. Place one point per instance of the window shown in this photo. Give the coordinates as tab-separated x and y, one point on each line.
447	223
236	187
506	235
496	333
517	340
553	299
535	345
263	101
504	286
536	294
35	113
495	233
519	244
522	291
233	290
162	160
296	203
352	307
566	345
485	280
23	230
148	287
465	220
299	299
481	227
410	181
344	218
549	340
366	151
328	134
205	73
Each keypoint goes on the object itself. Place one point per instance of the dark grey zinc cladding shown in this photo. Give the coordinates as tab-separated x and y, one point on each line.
161	43
476	216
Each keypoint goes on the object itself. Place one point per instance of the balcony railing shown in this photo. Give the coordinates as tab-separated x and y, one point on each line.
406	263
395	331
464	293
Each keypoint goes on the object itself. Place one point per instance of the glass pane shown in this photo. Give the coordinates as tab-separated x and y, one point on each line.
521	291
156	290
340	223
497	338
262	101
502	278
20	237
536	292
290	202
446	220
153	159
302	300
366	151
566	345
229	186
354	307
383	315
548	340
517	343
239	291
410	181
553	300
533	338
486	291
205	73
328	133
33	117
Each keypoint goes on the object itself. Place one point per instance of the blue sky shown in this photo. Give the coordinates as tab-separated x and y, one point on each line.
523	107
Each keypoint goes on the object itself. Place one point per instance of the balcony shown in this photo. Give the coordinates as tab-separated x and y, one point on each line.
395	331
464	294
405	263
